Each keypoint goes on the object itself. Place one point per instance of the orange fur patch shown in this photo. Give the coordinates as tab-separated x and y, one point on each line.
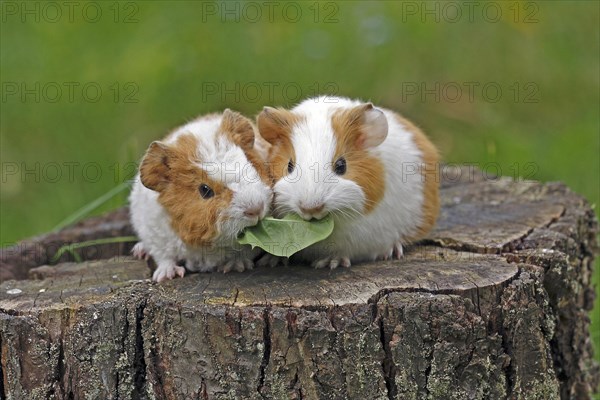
238	129
275	126
193	218
361	166
154	169
241	131
430	172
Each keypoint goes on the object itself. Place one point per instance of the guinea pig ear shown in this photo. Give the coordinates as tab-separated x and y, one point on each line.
374	127
238	128
154	170
275	124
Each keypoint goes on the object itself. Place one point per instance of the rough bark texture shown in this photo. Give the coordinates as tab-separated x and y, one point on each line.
492	305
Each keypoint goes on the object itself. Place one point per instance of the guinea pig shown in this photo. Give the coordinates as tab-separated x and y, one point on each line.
195	191
373	171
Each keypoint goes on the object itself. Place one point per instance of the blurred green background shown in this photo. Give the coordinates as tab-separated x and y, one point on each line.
512	87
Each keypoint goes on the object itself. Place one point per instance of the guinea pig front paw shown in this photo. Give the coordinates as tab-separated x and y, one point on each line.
395	252
239	265
270	260
167	271
140	252
398	250
332	262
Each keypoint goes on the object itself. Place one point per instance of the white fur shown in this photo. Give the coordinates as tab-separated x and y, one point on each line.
226	162
357	236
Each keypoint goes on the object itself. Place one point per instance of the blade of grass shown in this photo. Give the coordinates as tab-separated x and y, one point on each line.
88	208
71	248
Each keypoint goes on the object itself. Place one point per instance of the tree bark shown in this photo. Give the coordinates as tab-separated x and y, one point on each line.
492	305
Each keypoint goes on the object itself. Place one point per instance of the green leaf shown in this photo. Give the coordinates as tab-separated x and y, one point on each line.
286	236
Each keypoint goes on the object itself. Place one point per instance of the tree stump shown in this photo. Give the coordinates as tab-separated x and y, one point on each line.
492	305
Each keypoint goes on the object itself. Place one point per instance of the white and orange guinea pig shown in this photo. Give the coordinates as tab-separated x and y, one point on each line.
195	191
373	171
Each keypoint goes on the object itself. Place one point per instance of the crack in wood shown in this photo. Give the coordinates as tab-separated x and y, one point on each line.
266	358
235	296
139	362
61	367
203	390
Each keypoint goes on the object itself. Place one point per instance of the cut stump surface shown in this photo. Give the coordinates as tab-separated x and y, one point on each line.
492	305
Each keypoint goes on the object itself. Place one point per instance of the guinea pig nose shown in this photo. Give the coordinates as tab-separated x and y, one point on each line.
253	211
312	210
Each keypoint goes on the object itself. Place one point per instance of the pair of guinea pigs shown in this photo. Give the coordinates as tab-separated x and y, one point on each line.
373	171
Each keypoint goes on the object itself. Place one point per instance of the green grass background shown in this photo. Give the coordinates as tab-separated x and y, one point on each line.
169	53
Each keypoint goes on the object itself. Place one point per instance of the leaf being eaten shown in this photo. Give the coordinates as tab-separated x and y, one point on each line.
286	236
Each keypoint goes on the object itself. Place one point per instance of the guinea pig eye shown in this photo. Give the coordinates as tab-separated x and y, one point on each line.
205	191
340	166
291	166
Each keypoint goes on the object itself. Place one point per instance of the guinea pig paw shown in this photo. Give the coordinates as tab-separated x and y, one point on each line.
395	252
270	260
140	252
236	265
385	257
167	272
398	250
180	271
227	267
332	262
248	264
345	262
322	263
